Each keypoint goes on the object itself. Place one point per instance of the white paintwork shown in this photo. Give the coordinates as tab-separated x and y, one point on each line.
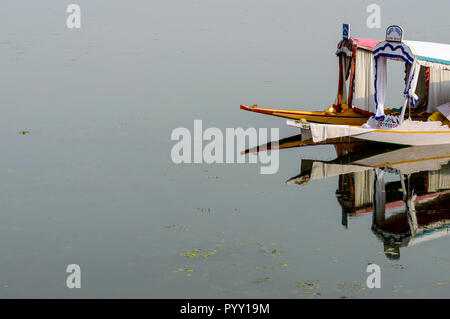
413	139
414	133
410	132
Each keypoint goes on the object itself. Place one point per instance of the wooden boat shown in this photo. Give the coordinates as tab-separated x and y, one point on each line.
354	101
428	82
348	116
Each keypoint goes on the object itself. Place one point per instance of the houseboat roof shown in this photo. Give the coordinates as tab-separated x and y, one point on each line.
427	53
346	45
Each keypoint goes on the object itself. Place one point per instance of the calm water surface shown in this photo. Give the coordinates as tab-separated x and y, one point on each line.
93	183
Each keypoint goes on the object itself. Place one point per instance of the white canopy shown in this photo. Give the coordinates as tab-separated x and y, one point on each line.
436	56
427	53
430	54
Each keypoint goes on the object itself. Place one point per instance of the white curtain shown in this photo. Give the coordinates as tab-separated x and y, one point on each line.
363	95
439	92
381	85
413	79
410	90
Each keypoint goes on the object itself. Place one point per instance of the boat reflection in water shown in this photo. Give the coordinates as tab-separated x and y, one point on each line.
406	188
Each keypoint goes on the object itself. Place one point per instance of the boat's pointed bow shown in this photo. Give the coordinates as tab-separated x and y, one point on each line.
243	107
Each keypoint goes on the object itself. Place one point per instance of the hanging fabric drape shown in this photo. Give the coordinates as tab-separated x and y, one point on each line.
410	91
439	91
380	85
421	88
364	90
344	70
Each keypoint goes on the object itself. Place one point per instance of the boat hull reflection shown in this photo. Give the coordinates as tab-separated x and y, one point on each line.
409	207
406	189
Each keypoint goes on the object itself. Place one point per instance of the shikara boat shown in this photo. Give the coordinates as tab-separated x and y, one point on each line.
428	86
354	102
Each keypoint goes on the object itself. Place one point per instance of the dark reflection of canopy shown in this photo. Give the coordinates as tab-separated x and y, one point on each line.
412	208
406	188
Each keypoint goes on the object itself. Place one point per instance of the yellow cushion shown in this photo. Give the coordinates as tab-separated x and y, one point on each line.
437	116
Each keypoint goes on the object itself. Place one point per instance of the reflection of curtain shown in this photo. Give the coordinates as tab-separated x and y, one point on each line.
363	188
381	85
363	95
439	88
379	197
439	180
